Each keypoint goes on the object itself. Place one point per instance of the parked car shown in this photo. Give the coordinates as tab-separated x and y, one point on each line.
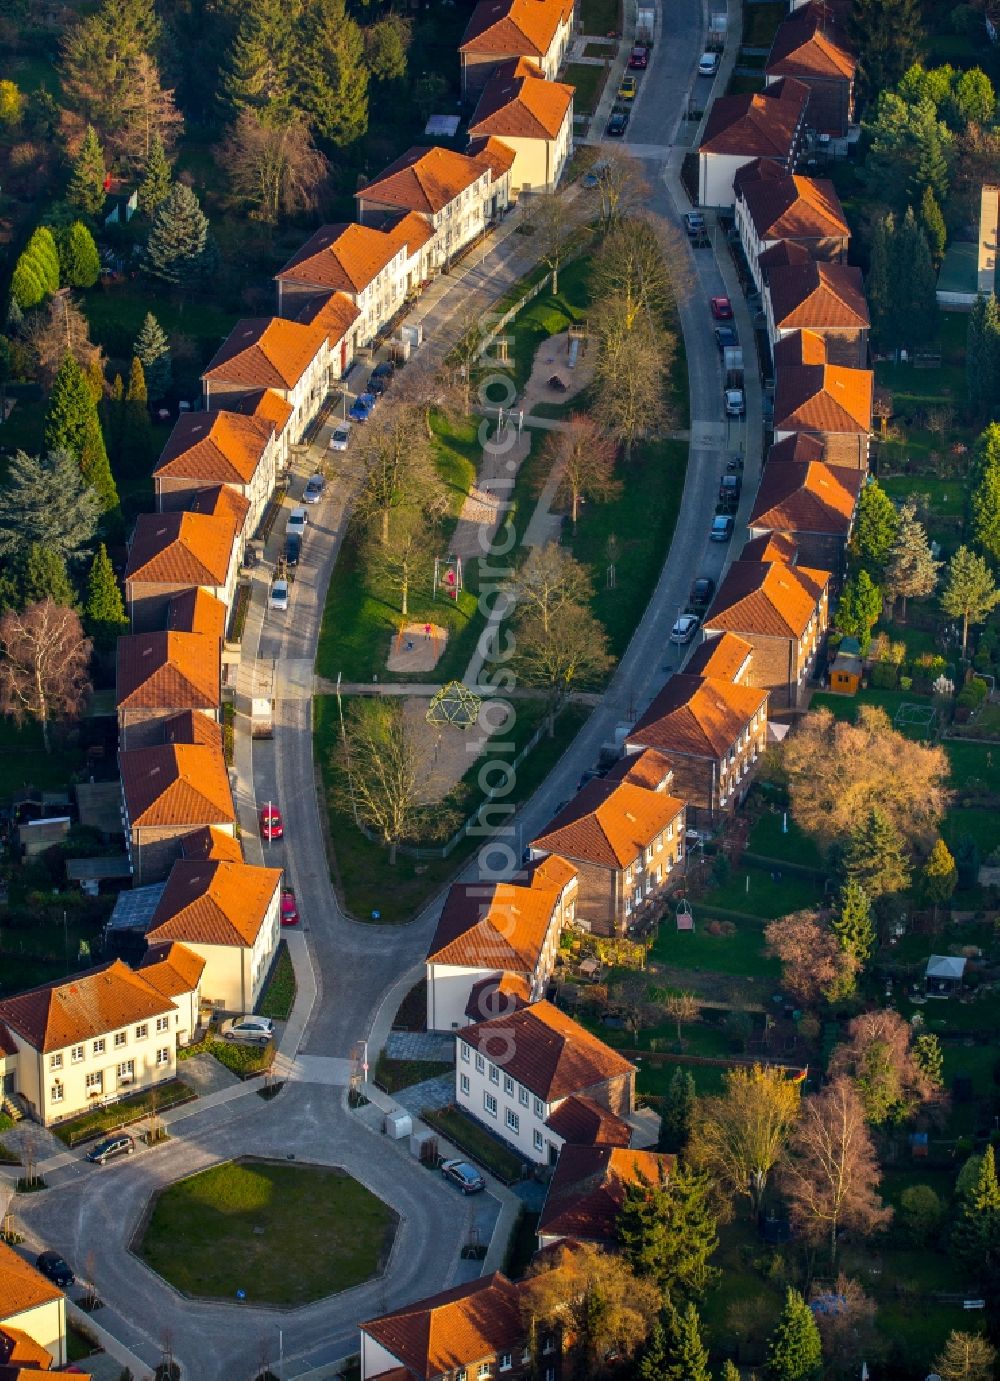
293	549
730	488
121	1144
361	409
297	520
341	437
289	909
684	629
592	177
278	598
736	403
255	1030
377	384
313	491
627	88
618	124
735	465
726	338
708	64
638	59
460	1172
271	824
694	224
54	1268
722	308
722	528
385	370
702	591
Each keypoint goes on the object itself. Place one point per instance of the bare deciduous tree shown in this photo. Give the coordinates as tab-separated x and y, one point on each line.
848	1330
273	169
878	1056
43	666
584	459
813	964
571	651
631	280
57	329
681	1008
621	187
830	1175
148	109
966	1357
630	383
409	547
554	232
398	470
549	581
463	357
740	1136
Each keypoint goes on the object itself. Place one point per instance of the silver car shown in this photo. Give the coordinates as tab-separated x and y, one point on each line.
341	437
256	1030
313	491
278	598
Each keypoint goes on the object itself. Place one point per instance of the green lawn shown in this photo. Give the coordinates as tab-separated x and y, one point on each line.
983	825
976	1062
549	314
760	23
755	892
598	17
116	314
846	706
973	762
393	1075
131	1109
284	1234
742	953
24	761
278	997
770	838
588	79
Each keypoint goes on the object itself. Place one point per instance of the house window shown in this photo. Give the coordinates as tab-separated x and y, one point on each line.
463	1083
526	1355
508	1084
126	1070
163	1056
460	1374
548	1343
550	1374
522	1095
465	1054
162	1023
55	1061
480	1064
539	1141
77	1054
506	1361
490	1104
494	1075
539	1108
99	1046
57	1092
485	1369
120	1039
141	1032
95	1081
512	1120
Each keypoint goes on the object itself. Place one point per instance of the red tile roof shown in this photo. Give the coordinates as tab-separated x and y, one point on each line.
196	611
192	726
423	179
177	784
547	1051
260	402
801	446
823	398
781	254
180	549
411	230
172	968
514	27
517	102
809	44
21	1286
587	1191
582	1122
767	598
215	447
168	671
214	903
334	313
648	768
219	500
818	296
698	717
806	498
266	352
492	153
19	1350
209	842
496	995
8	1045
494	925
771	546
75	1009
341	257
798	348
438	1335
725	658
786	207
761	124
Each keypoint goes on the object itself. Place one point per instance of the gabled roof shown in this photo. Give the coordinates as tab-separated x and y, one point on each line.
266	352
818	296
492	153
19	1350
770	546
192	726
341	257
809	44
823	398
167	671
21	1286
172	968
438	1335
209	842
8	1046
215	447
768	598
214	903
517	102
783	206
494	925
806	498
582	1122
196	611
587	1191
514	27
648	768
547	1051
221	501
74	1009
698	716
781	254
725	658
176	784
260	402
798	348
333	313
501	992
801	446
411	230
424	179
759	124
180	549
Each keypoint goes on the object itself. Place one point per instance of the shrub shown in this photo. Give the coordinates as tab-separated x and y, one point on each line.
972	694
884	676
921	1213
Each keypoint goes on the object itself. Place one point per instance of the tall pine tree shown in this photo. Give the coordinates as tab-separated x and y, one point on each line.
982	355
888	35
104	611
260	65
86	191
654	1359
677	1111
911	571
795	1352
877	284
668	1233
177	237
875	857
688	1354
43	575
332	85
933	225
72	424
79	261
156	178
152	350
976	1237
852	922
136	435
984	502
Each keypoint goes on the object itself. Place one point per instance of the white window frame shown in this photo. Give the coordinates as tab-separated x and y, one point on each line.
77	1054
480	1064
57	1092
494	1075
463	1083
539	1108
465	1054
488	1099
512	1121
538	1140
142	1031
163	1056
508	1084
56	1061
121	1039
100	1046
162	1023
126	1070
523	1096
95	1079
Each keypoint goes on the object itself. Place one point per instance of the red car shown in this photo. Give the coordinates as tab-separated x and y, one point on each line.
638	59
722	308
271	824
289	909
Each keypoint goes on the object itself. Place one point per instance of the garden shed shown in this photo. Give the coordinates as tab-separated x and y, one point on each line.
944	975
845	673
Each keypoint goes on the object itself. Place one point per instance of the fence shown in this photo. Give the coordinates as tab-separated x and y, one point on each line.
511	313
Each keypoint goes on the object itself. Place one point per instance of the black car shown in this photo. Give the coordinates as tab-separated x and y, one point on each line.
730	488
385	370
735	465
618	124
726	338
377	384
54	1268
293	548
702	591
119	1145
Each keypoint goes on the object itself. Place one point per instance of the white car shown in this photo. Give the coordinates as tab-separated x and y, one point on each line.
278	598
341	436
684	629
736	403
297	520
708	64
256	1030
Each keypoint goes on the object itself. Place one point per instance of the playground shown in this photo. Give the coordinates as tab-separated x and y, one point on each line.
563	367
417	647
446	751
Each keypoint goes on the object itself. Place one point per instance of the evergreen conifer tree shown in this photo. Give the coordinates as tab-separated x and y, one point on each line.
79	261
875	857
912	569
982	354
72	424
86	182
136	433
104	611
156	178
653	1362
678	1107
933	224
43	575
795	1352
260	63
177	237
688	1354
859	608
984	503
152	350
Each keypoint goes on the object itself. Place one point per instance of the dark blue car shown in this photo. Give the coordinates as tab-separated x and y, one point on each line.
360	410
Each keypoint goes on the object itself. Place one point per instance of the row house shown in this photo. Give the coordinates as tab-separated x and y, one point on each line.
824	400
167	792
32	1316
768	124
500	31
226	913
587	1192
172	553
782	611
457	196
712	732
339	317
269	353
811	503
489	930
774	205
534	119
98	1035
724	659
176	971
811	46
206	450
270	407
514	1072
196	611
624	835
826	299
370	268
208	843
220	501
159	674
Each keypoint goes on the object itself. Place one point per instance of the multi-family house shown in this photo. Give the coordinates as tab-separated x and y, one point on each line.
206	449
514	1072
773	204
826	299
96	1036
456	194
228	915
167	793
270	353
725	659
221	501
269	407
587	1192
32	1314
194	610
782	611
533	117
367	266
491	929
159	674
175	970
824	400
811	503
712	731
337	315
768	124
172	553
501	30
209	843
624	835
22	1359
811	46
